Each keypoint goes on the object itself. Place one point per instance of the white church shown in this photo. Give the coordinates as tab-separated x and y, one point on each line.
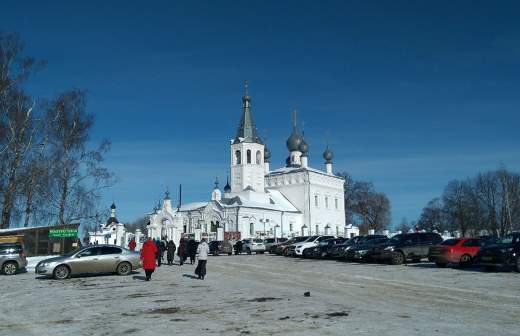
259	202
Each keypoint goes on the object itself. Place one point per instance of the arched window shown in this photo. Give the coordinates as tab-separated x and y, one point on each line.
238	157
251	229
248	156
258	157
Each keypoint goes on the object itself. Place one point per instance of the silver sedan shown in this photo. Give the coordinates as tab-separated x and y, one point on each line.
90	259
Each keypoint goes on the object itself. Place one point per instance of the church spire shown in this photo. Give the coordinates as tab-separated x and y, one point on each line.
246	131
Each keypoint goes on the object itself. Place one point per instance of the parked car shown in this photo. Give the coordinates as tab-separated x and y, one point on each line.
272	243
283	248
361	240
12	258
254	245
505	252
455	250
308	243
90	259
217	247
323	249
364	249
338	250
407	246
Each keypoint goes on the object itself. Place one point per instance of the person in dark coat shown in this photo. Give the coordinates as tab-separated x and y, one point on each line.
159	252
192	249
238	247
182	250
148	257
170	251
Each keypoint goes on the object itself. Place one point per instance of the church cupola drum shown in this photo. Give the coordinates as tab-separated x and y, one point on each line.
247	152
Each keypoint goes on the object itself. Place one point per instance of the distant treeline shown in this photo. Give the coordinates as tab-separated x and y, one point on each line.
48	173
487	203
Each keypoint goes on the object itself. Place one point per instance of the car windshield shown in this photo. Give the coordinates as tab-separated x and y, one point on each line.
311	238
258	241
396	239
509	239
450	242
269	240
300	239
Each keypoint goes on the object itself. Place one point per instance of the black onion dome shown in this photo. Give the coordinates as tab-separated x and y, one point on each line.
304	147
294	141
328	155
113	206
267	154
227	187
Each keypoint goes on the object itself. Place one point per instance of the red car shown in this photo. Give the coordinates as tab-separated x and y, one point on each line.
455	250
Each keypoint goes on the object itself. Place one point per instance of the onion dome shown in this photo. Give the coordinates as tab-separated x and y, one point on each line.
227	187
216	183
328	155
267	154
113	206
294	141
304	148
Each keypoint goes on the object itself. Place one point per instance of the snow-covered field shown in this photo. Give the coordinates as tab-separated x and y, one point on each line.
264	295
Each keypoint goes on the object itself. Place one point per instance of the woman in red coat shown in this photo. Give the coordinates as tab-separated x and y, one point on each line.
149	256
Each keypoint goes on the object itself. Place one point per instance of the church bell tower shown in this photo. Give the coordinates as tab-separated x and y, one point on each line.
247	153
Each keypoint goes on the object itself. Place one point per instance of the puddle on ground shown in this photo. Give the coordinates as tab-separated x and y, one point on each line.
171	310
264	299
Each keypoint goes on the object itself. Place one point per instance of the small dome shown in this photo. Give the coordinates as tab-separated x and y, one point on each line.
294	141
267	154
113	206
304	147
328	155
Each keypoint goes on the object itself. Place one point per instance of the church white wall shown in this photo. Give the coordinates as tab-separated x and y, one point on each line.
246	174
327	215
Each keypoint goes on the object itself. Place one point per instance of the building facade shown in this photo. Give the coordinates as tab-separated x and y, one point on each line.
259	202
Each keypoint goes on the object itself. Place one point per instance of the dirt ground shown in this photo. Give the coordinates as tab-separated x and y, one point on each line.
264	295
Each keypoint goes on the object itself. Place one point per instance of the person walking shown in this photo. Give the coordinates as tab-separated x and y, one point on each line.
181	251
170	252
132	244
159	252
148	257
192	248
202	251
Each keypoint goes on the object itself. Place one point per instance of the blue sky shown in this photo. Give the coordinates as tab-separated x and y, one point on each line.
412	93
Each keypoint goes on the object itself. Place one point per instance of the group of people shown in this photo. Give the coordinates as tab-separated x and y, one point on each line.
153	250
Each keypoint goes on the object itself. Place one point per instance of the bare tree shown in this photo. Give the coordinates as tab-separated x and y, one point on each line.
404	226
78	172
433	216
17	120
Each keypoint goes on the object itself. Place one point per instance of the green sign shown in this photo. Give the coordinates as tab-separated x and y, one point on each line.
63	233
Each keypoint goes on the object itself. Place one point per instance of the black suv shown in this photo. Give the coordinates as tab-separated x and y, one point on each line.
504	252
407	246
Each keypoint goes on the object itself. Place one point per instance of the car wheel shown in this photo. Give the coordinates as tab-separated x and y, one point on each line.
215	253
465	260
397	258
10	268
440	264
248	251
124	268
229	253
61	272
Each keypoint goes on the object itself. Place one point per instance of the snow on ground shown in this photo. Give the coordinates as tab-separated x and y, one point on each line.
264	295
